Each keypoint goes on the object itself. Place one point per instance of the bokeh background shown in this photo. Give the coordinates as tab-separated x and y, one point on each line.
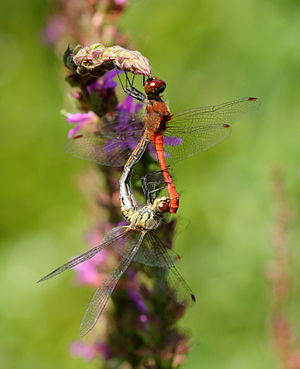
209	52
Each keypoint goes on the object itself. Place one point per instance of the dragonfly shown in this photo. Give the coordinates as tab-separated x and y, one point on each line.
136	242
174	136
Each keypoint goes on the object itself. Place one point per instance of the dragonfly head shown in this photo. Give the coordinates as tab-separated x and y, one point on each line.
161	205
154	87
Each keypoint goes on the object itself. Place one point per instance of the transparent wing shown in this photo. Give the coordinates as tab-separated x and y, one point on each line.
119	134
102	294
99	149
170	275
195	130
110	239
148	252
122	124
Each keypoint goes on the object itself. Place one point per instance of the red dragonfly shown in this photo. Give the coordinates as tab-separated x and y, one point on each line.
174	136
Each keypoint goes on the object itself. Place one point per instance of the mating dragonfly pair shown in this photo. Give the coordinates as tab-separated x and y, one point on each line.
174	137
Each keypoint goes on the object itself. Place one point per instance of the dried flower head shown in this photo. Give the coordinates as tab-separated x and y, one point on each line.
96	59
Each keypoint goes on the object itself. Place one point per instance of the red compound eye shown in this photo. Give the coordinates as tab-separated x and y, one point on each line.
154	86
164	207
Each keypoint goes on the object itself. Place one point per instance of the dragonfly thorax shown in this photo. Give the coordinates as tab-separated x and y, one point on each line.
150	216
157	115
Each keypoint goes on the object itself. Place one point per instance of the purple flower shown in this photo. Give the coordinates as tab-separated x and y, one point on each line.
95	236
83	350
103	349
172	141
120	2
112	146
108	81
105	83
123	222
80	119
89	351
129	105
54	30
131	274
125	125
137	299
143	318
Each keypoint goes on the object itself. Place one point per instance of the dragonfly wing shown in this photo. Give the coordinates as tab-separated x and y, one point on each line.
170	275
122	124
195	130
133	241
99	149
118	135
148	253
110	239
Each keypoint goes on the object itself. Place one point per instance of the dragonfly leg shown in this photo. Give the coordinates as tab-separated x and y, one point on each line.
134	95
121	83
145	189
131	90
150	195
132	85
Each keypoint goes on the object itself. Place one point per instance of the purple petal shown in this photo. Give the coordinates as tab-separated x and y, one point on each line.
132	143
173	141
73	131
109	84
54	30
168	141
122	223
79	117
152	150
108	81
83	350
129	105
137	107
123	121
87	272
112	145
93	87
137	299
131	274
143	318
120	2
104	350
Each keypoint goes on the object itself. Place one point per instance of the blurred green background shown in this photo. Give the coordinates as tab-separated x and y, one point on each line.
209	52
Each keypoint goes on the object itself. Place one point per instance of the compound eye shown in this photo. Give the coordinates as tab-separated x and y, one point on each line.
155	86
154	83
149	80
164	207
